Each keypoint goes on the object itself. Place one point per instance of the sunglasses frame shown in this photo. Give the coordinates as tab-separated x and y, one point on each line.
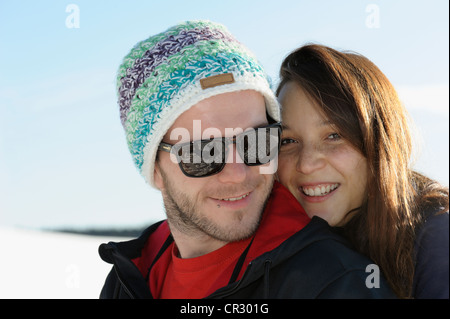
174	149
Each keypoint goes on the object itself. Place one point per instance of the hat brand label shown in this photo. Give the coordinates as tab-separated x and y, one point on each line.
216	80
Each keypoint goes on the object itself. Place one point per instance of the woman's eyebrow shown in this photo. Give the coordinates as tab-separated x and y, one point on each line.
326	123
284	126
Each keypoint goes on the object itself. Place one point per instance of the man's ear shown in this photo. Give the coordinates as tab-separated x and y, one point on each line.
157	177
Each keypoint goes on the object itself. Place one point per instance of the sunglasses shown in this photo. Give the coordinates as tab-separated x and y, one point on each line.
202	158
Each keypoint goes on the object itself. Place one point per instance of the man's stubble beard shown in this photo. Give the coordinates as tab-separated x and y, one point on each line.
181	214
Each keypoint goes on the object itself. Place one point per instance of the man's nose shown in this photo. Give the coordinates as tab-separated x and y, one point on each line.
235	170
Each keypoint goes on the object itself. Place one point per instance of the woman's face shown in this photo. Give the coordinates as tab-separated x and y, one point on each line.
326	174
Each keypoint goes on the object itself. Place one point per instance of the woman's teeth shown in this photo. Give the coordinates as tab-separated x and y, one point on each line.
320	190
232	199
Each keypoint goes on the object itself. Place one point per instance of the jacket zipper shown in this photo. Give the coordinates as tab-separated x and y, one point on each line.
123	285
234	289
267	264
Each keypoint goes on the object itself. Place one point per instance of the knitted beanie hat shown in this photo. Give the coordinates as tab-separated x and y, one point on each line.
166	74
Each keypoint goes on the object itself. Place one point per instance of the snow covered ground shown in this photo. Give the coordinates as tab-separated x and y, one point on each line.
37	264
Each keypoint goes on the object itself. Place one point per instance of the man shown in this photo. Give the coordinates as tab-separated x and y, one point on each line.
201	124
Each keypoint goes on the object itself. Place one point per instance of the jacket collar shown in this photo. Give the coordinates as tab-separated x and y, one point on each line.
130	249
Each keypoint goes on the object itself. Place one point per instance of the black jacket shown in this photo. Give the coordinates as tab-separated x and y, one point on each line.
313	263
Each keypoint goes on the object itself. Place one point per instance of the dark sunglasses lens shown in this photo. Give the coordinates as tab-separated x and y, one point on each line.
200	169
260	146
202	158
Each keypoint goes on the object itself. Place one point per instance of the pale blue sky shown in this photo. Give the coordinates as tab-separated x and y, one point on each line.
63	156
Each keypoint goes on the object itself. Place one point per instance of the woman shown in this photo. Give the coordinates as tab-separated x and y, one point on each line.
345	156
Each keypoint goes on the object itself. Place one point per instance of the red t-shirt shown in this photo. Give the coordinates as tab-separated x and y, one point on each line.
173	277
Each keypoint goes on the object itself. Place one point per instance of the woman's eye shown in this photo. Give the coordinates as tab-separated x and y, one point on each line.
334	136
286	141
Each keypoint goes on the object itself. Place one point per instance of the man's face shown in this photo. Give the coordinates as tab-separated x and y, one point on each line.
226	206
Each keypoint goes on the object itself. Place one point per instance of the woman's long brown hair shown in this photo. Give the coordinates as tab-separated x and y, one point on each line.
358	98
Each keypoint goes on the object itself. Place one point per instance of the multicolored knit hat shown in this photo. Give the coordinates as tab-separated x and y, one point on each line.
166	74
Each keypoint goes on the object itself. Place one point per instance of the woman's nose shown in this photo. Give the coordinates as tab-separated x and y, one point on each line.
310	159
